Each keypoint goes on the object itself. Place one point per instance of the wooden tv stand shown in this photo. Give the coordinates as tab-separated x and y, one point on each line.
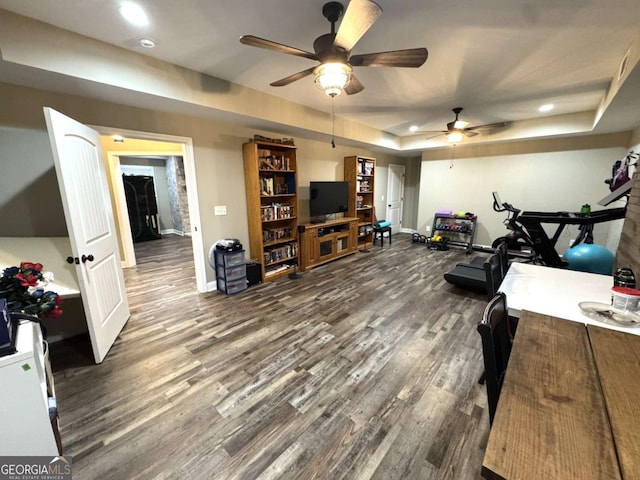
327	241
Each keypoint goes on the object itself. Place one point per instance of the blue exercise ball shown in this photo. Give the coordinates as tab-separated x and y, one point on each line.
589	257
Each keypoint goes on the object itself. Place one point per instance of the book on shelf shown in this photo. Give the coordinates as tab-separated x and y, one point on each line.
285	252
362	186
278	268
281	187
266	186
367	168
273	234
274	162
276	211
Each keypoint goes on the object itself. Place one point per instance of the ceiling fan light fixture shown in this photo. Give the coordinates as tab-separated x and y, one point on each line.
460	124
331	78
454	137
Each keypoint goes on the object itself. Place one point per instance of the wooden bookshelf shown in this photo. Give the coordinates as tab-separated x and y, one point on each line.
360	173
271	184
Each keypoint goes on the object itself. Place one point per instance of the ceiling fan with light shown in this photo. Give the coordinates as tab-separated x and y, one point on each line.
458	129
333	50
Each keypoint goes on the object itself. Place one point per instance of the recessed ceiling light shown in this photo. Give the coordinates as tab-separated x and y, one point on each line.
147	43
546	108
413	128
134	14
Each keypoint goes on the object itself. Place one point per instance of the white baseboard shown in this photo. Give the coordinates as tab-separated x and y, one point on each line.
211	286
173	231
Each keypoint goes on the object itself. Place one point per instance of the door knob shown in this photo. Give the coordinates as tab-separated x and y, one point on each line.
86	258
75	260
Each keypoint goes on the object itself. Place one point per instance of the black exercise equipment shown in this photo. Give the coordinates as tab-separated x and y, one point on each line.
482	277
526	227
516	238
545	246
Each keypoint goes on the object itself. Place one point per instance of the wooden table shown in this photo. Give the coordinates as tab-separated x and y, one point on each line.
617	358
551	421
557	292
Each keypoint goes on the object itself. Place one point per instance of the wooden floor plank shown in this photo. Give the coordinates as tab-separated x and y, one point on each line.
365	368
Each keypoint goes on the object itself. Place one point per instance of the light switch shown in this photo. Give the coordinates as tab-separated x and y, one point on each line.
220	210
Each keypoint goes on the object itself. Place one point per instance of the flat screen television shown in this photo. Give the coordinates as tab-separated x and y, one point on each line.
326	198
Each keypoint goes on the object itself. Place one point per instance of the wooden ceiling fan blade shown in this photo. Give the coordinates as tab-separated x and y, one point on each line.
354	86
411	57
277	47
358	18
488	126
435	134
469	133
292	78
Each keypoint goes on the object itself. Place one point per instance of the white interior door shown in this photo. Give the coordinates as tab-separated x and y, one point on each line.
395	191
87	207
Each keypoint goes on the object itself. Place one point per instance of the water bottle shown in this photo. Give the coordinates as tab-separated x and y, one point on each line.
624	278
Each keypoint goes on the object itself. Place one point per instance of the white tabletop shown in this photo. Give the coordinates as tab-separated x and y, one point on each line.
51	252
557	292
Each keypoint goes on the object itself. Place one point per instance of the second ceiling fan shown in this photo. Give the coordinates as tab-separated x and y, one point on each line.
333	50
457	129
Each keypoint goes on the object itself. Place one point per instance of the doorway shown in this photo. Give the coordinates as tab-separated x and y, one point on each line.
395	196
143	144
156	196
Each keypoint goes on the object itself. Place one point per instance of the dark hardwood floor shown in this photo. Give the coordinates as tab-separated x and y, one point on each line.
365	368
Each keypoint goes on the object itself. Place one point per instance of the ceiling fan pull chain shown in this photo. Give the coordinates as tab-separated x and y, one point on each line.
333	123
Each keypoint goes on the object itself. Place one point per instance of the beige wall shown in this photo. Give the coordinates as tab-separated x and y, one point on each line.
556	175
217	151
30	203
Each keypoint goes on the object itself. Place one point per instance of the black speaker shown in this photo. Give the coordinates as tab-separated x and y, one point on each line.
254	273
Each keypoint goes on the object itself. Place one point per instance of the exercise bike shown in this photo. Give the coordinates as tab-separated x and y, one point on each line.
527	230
517	239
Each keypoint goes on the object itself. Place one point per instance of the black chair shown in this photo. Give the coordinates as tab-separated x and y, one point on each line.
497	338
502	251
494	275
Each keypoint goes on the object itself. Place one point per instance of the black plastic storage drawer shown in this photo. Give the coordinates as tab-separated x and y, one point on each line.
233	286
229	259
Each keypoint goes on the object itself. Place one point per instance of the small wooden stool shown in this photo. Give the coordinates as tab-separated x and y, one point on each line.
379	231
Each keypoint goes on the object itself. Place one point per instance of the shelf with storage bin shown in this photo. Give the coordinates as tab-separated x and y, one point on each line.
359	172
272	206
459	231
